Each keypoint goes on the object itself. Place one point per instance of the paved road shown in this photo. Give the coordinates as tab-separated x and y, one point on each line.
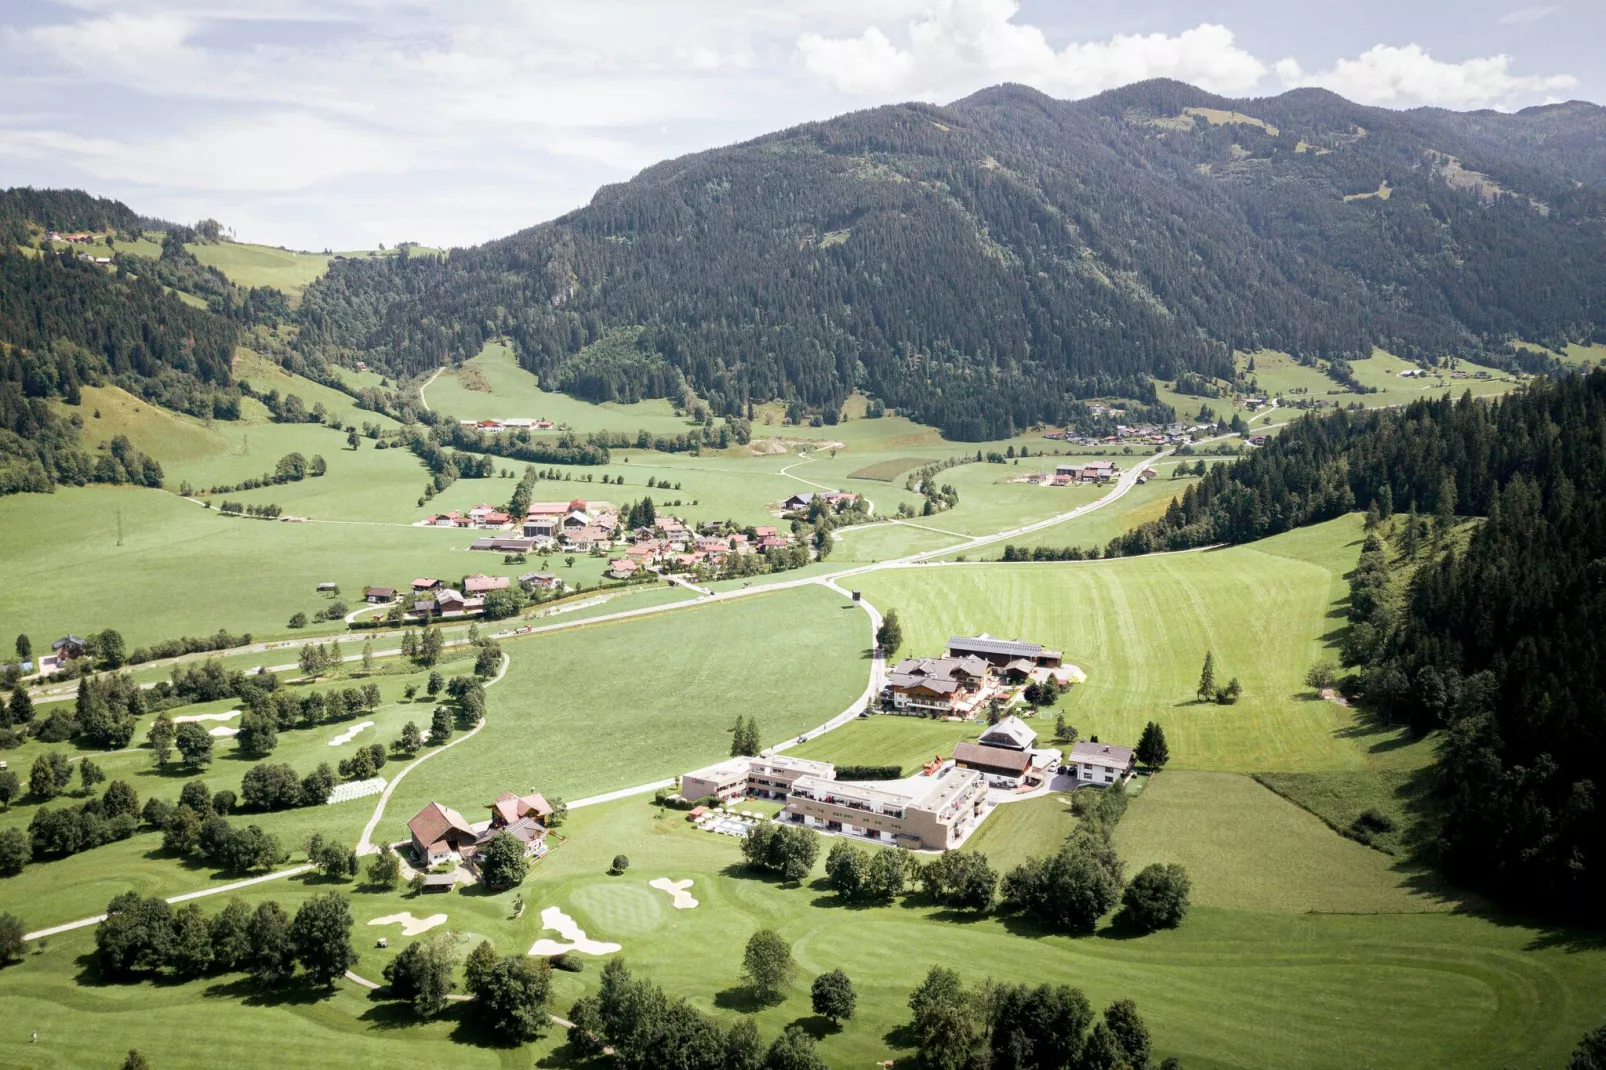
877	672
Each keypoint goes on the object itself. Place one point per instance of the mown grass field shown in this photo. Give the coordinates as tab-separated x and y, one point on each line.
890	740
1271	987
262	265
607	706
1247	848
887	471
1139	628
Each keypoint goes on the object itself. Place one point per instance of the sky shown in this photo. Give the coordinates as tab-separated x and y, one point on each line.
346	123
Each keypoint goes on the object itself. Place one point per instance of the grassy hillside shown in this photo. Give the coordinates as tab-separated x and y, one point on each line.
1140	627
165	435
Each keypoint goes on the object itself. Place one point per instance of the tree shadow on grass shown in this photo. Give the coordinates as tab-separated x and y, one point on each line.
741	999
817	1026
253	994
901	1035
566	1056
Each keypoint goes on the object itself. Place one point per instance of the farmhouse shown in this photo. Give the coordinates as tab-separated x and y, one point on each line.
932	813
623	568
539	581
1099	763
764	778
940	687
1000	652
541	527
804	500
69	647
378	594
1003	767
439	834
1011	733
422	585
482	584
1086	472
510	808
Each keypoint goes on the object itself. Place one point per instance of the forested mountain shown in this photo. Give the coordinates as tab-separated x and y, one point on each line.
980	265
1499	643
66	322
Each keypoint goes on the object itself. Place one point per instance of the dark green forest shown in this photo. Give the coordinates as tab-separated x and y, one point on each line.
1499	642
979	266
66	323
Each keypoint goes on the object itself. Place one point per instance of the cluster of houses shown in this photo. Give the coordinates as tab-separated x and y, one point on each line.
935	810
1174	434
975	671
481	516
1080	472
496	427
680	549
439	834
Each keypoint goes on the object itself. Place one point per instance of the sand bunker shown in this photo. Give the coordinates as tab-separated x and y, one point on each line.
574	937
207	717
676	890
224	732
350	734
411	926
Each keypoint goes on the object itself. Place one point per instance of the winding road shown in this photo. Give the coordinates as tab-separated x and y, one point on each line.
829	580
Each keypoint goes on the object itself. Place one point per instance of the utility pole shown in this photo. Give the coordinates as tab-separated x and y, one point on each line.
119	525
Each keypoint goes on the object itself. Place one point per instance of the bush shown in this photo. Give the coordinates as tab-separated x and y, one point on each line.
1374	820
1157	898
567	963
869	772
620	864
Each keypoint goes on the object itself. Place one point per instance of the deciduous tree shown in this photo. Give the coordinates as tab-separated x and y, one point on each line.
767	966
832	996
320	936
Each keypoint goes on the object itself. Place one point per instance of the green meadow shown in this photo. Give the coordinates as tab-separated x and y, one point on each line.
1140	627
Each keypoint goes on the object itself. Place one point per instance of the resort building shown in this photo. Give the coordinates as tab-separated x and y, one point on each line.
932	813
763	778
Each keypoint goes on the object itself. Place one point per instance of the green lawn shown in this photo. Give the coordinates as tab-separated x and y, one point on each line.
1016	831
1139	628
593	709
888	739
1249	849
1231	987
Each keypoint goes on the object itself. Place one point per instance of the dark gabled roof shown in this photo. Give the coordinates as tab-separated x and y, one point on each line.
989	645
973	755
69	640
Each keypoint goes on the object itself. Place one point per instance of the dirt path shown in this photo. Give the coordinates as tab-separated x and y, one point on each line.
422	400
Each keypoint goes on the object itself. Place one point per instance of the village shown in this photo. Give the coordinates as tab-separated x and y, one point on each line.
644	543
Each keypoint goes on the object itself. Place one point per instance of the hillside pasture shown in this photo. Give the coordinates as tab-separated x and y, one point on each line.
108	411
888	470
248	265
1140	627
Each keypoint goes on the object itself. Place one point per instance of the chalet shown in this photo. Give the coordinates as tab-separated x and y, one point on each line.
542	425
623	569
938	687
482	584
1003	767
440	834
509	808
1259	440
575	519
450	601
1099	763
421	585
587	539
1019	670
645	551
328	588
539	581
378	595
70	646
774	542
762	533
1001	652
1011	733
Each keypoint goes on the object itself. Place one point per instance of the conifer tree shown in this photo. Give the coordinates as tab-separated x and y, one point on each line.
1207	678
1152	750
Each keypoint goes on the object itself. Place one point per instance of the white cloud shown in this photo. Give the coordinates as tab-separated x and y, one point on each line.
1406	77
483	116
961	45
272	154
1528	14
